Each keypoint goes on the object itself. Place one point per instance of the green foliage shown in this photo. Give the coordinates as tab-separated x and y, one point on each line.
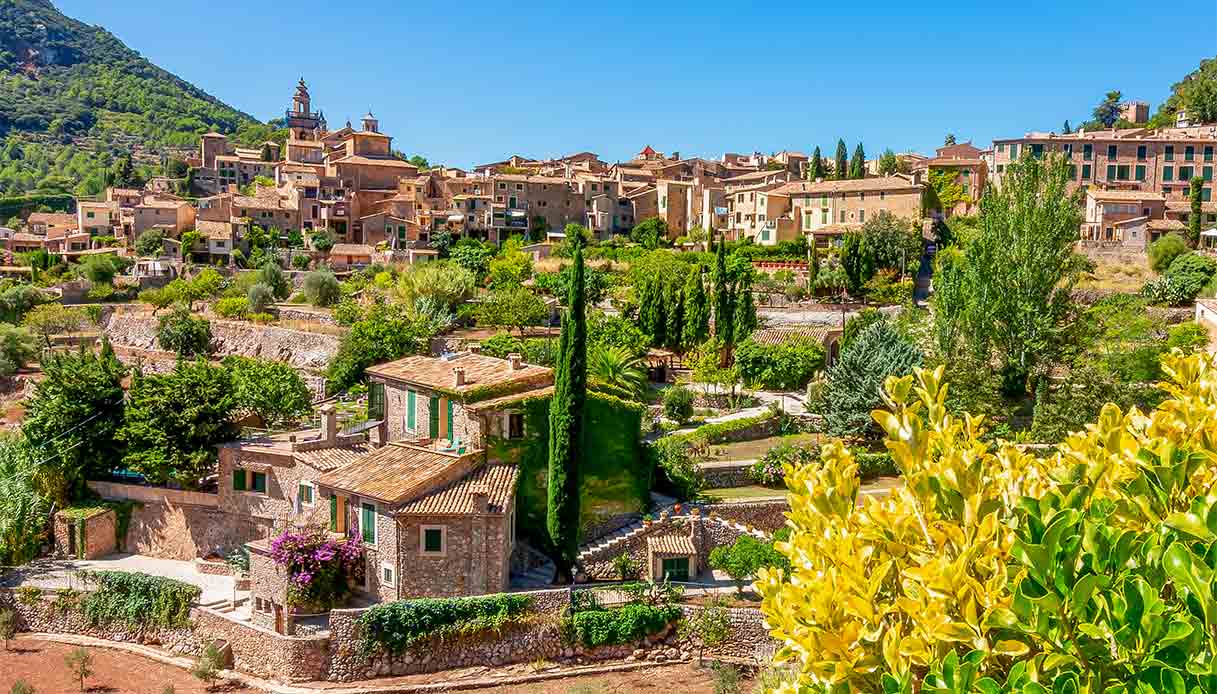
854	383
678	472
136	600
447	283
633	622
944	190
273	276
473	256
76	411
770	469
321	288
394	626
1196	206
615	331
745	557
235	307
260	297
17	346
618	368
567	424
501	345
513	307
1164	251
857	165
21	687
726	677
895	242
174	421
1184	279
101	269
150	243
840	162
8	626
859	322
380	336
887	163
678	404
322	240
80	664
858	261
17	300
181	332
1196	93
271	390
650	233
511	268
626	567
785	366
696	328
207	667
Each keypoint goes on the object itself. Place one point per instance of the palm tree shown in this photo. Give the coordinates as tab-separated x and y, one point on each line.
616	366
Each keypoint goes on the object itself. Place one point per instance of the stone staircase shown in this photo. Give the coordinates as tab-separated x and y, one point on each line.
659	504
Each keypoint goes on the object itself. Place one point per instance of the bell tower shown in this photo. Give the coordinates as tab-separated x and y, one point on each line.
302	123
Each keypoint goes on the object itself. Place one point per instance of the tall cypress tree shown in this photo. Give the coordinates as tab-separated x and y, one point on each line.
649	300
1193	217
816	168
842	166
674	301
566	424
745	321
857	166
697	309
722	297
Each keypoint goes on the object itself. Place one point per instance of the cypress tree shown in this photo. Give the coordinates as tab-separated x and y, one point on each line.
697	309
566	428
722	297
674	301
813	263
842	170
745	321
816	168
648	307
1193	218
857	166
1068	128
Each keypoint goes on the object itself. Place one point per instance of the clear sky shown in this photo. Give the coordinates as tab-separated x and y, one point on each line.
470	81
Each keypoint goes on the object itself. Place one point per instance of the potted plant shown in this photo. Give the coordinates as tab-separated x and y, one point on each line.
647	520
676	508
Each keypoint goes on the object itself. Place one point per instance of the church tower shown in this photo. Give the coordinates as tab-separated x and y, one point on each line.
302	123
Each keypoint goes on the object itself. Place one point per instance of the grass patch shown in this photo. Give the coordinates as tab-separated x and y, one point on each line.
749	493
752	450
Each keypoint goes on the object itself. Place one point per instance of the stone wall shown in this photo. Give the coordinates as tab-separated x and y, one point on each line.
179	531
304	313
724	475
767	516
706	534
89	538
749	639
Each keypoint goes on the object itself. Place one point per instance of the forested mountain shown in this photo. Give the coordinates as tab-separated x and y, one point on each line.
73	98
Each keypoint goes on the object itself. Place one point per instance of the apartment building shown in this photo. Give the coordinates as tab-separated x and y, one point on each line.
1162	161
963	164
169	214
1123	217
783	211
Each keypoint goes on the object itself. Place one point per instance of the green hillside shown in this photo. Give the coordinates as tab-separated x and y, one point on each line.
73	98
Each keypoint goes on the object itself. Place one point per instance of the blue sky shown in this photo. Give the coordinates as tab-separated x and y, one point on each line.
470	82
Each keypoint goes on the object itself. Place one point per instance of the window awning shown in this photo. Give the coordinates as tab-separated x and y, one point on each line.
515	213
456	218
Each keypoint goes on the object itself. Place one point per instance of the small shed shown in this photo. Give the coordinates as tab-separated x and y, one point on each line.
671	557
86	533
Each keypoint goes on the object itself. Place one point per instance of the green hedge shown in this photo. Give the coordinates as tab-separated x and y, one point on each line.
624	625
393	626
616	472
22	204
136	599
872	465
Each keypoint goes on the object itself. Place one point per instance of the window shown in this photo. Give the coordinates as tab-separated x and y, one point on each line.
842	216
1140	152
1208	153
1085	172
1206	194
1111	151
432	539
862	213
386	574
1111	172
1067	148
1170	152
249	481
862	195
1139	174
1207	173
1001	147
1037	150
675	569
367	522
1013	150
1185	173
1073	171
1001	168
519	186
1168	173
238	480
258	482
1087	152
515	425
1189	153
305	494
823	216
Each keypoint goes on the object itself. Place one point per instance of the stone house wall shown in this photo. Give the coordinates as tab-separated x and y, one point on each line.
465	425
284	475
476	559
99	531
185	532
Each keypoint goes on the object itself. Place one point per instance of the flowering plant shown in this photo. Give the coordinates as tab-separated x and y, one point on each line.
319	567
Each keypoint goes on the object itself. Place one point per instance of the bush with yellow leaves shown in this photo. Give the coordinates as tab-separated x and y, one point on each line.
993	570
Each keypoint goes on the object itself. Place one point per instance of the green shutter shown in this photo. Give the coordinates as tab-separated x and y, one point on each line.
333	513
369	523
238	480
433	430
450	429
411	410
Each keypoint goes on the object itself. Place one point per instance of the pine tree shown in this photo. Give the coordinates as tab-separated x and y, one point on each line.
841	169
124	173
816	168
566	428
674	301
722	297
745	320
697	309
948	140
857	166
1068	129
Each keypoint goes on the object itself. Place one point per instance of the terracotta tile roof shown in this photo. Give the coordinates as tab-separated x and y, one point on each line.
949	161
52	219
213	230
498	482
523	178
34	238
1133	195
837	229
360	159
857	185
671	544
351	249
1185	206
1166	225
163	204
810	334
394	473
257	202
326	459
755	175
480	371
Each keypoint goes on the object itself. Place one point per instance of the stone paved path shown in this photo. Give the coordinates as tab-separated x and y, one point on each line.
53	574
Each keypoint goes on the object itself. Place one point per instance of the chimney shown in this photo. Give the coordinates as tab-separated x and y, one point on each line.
819	179
517	361
458	376
481	499
329	423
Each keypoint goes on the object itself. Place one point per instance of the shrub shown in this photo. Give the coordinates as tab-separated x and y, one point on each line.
1164	251
626	567
872	465
1187	337
183	333
319	570
502	344
769	470
207	667
708	626
136	599
260	298
231	307
859	322
8	626
680	474
272	276
745	558
300	262
1192	271
678	404
391	627
347	312
80	664
853	387
726	678
627	624
150	243
778	367
21	687
321	288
